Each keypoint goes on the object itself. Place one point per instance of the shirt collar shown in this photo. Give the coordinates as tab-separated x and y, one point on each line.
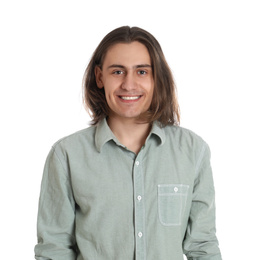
158	131
104	134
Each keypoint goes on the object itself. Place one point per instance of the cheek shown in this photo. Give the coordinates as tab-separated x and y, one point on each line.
109	95
151	89
151	95
110	84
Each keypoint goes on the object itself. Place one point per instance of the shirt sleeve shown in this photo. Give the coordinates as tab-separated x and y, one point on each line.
55	224
200	241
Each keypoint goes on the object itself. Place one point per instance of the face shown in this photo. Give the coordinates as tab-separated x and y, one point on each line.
127	79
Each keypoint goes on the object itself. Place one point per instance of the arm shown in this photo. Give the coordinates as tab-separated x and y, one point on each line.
55	224
200	241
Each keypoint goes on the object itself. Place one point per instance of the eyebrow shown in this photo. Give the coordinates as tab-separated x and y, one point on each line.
135	67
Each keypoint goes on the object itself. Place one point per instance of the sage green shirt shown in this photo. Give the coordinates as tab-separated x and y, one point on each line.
100	201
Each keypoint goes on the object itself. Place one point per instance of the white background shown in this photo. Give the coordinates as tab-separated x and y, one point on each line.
211	49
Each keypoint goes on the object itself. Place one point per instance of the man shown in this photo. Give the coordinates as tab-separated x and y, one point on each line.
134	185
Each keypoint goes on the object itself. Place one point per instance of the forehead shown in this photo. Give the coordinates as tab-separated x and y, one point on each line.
127	54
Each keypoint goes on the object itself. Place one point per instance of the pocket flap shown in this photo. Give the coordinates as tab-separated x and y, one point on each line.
172	189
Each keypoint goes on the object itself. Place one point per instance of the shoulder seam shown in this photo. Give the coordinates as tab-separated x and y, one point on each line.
73	134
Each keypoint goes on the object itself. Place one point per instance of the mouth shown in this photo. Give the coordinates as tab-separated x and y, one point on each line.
130	98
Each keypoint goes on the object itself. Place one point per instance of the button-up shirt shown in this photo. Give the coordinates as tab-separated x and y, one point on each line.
101	201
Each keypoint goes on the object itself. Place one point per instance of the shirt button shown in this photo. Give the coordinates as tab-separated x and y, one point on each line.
140	234
139	197
176	189
137	163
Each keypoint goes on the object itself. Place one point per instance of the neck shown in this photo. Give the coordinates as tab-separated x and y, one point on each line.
129	132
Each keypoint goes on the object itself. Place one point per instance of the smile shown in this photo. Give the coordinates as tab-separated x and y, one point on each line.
130	98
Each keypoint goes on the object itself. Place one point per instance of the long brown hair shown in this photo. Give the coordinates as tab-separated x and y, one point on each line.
164	107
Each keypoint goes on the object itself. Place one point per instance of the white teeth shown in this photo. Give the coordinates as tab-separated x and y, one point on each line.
130	98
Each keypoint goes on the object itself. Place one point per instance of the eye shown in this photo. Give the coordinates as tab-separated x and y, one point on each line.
142	72
118	72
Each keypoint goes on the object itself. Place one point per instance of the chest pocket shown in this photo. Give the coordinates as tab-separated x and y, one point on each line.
171	203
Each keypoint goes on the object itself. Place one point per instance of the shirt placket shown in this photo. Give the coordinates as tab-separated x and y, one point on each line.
139	209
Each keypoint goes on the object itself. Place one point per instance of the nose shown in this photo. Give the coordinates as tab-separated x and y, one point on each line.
129	83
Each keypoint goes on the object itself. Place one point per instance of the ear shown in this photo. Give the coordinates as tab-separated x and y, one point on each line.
98	77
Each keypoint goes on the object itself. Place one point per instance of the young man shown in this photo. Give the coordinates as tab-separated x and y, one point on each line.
134	185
